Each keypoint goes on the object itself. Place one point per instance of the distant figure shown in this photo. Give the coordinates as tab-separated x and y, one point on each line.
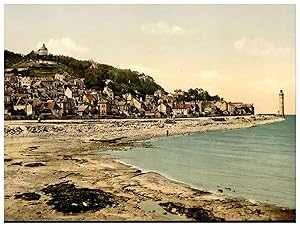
167	132
39	120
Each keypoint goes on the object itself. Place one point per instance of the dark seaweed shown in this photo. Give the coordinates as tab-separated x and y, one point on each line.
196	213
35	164
28	196
67	198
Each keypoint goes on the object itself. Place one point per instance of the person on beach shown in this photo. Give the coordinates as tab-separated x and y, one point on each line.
167	132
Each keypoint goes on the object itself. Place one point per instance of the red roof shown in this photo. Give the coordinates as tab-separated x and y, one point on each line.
182	106
90	97
49	105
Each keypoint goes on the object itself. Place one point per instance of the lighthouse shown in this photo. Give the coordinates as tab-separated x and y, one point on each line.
281	104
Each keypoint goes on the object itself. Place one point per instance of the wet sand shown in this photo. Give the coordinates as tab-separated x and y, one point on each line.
69	152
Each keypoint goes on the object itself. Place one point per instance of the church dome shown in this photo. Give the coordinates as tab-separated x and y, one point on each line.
43	50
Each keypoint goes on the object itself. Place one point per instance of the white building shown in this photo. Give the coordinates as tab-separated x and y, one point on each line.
136	103
109	92
43	50
25	81
69	93
162	108
60	77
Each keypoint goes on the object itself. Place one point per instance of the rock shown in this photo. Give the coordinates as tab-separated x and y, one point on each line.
258	211
28	196
170	121
35	164
16	164
196	213
33	147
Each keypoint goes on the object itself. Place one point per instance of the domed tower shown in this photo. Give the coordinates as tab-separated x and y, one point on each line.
281	104
43	50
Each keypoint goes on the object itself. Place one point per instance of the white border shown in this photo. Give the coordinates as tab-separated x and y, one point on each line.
137	2
151	2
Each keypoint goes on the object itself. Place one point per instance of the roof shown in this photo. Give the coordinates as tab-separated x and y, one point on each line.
182	106
102	101
49	105
38	83
90	97
43	47
20	101
82	108
249	105
22	95
121	103
236	103
71	89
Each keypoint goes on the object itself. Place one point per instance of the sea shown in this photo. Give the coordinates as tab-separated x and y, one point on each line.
257	163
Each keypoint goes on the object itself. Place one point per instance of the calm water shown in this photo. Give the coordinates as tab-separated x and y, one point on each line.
257	163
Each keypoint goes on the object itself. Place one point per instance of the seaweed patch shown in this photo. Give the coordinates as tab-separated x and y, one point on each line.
67	198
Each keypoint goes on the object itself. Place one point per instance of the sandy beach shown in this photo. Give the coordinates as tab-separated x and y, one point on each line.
65	153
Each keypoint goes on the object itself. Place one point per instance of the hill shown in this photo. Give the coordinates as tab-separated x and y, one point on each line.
96	75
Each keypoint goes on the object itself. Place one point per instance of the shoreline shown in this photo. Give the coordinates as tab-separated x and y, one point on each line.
129	184
193	187
111	154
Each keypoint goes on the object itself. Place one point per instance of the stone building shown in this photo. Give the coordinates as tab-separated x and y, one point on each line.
43	50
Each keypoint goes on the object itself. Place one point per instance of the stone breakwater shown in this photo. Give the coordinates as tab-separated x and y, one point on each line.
133	129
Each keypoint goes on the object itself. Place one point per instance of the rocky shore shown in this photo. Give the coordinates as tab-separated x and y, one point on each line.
132	129
52	172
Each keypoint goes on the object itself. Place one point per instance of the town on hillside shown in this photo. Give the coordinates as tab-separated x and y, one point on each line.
59	95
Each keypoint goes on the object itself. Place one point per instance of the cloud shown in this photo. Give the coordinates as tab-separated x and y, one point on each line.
259	47
163	28
64	46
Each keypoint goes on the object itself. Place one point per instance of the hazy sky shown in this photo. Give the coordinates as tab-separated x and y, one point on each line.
240	52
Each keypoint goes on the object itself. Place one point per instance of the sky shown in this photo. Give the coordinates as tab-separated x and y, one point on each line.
240	52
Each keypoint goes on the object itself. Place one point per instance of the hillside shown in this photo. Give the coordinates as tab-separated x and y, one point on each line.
121	80
96	75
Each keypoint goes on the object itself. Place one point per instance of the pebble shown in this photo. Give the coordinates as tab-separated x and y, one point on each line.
113	128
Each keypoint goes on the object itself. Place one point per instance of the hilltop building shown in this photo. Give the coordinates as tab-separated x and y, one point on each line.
43	50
